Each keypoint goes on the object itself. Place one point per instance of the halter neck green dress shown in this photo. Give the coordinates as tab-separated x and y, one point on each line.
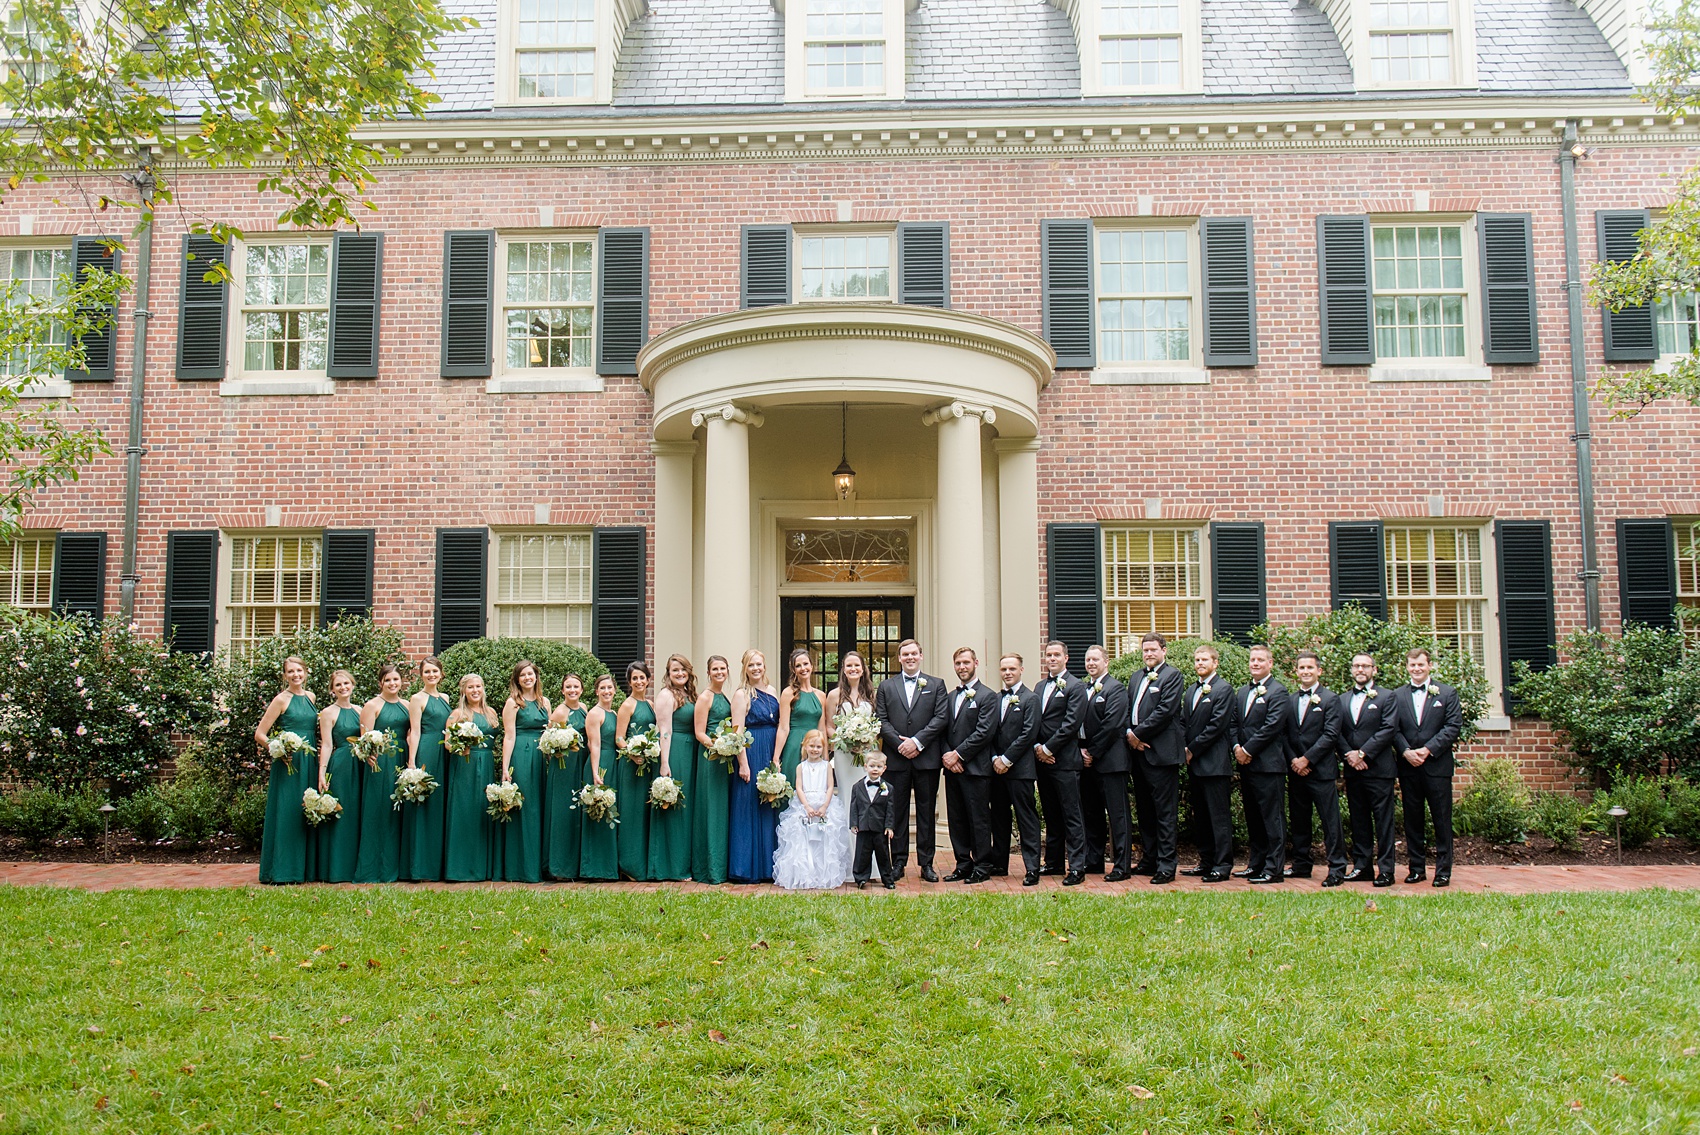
805	715
470	834
522	842
425	823
599	849
632	787
339	839
670	830
563	776
710	809
380	823
286	846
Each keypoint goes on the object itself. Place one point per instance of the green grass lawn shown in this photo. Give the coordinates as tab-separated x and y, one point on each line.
522	1011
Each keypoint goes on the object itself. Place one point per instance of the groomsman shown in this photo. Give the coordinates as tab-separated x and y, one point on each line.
1209	706
1158	741
1366	738
1014	771
1260	750
1106	763
968	770
1062	706
1313	751
912	711
1427	722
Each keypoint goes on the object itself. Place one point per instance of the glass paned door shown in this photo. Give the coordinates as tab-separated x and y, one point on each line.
832	627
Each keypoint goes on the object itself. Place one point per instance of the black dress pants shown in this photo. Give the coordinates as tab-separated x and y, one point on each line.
1065	823
1013	796
1370	802
968	805
1266	820
1418	790
1212	821
925	784
1304	794
1162	785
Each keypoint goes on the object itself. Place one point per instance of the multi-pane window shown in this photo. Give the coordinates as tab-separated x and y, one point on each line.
1140	43
1153	581
26	573
1678	319
274	587
844	46
555	49
34	277
1144	295
1410	41
1435	577
548	303
1688	570
286	306
543	586
844	266
1419	291
22	46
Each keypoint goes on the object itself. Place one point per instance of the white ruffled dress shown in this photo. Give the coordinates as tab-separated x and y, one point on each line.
813	855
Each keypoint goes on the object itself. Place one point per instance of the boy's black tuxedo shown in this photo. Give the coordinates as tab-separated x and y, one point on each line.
972	723
870	818
1209	713
922	717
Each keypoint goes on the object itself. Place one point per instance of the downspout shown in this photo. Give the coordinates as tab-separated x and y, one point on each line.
144	181
1568	152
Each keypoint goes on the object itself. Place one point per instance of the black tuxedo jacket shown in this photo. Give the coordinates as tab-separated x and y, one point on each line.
1060	717
1017	728
1443	721
1209	728
970	728
1160	725
1261	728
1372	733
870	815
1103	729
1317	738
924	721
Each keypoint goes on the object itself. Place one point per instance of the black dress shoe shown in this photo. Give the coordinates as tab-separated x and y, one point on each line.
1118	876
976	877
1245	873
1442	879
1052	871
890	886
955	876
1031	879
1289	873
1384	880
1357	875
1264	878
928	875
1144	868
1416	876
1162	877
1215	877
1194	872
1333	880
1074	878
999	871
862	886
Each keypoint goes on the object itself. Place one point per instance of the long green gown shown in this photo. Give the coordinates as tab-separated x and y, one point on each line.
632	787
711	806
563	776
805	715
380	823
522	842
286	846
470	833
339	839
599	849
426	823
670	831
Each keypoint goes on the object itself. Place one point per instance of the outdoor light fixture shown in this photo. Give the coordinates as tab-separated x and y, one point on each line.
106	811
1617	812
844	477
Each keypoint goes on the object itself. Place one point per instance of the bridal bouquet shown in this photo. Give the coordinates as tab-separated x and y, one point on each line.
462	737
286	746
598	803
643	750
373	747
504	799
559	740
773	786
412	786
856	733
317	807
728	741
665	794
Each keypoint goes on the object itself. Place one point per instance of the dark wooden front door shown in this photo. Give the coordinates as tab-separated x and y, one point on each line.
832	627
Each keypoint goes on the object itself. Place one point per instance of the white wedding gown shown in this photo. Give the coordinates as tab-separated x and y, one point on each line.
811	854
850	774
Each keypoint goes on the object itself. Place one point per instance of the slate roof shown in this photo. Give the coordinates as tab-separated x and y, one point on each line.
1543	46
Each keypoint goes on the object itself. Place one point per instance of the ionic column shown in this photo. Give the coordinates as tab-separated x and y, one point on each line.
1018	547
961	568
673	532
728	585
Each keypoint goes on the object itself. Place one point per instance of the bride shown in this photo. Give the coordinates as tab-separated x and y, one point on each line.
814	837
855	692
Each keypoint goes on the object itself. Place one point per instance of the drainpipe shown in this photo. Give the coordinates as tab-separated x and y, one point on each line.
1568	152
144	181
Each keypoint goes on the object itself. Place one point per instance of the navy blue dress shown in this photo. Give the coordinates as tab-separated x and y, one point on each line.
754	826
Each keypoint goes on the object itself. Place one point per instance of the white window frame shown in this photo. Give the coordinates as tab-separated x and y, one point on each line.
1199	603
611	20
540	380
1462	29
1157	372
1467	367
1488	599
496	602
1090	31
50	384
242	381
225	631
12	558
797	40
802	233
1687	585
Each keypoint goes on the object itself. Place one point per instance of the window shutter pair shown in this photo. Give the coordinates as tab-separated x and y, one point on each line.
191	583
469	301
79	574
1646	572
1229	292
1630	335
203	317
923	264
1346	289
100	348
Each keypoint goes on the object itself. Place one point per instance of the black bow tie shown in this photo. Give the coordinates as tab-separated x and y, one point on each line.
1361	690
1423	689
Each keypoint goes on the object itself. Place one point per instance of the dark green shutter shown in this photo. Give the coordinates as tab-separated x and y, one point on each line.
469	281
79	574
347	586
618	586
191	590
1342	255
1230	292
357	276
202	311
1630	335
1074	577
765	252
923	264
1527	631
1065	289
1357	571
1646	572
1508	289
1238	590
622	307
462	558
100	348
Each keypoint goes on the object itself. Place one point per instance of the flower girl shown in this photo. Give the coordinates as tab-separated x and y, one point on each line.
814	844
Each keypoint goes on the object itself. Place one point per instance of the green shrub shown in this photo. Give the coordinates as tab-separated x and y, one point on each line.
196	809
84	821
494	659
1496	805
145	815
1684	799
1233	668
1648	811
1560	816
245	816
35	815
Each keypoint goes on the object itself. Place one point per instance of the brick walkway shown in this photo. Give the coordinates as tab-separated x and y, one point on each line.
1480	880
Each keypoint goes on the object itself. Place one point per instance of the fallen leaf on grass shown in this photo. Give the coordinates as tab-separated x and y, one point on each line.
1139	1092
758	945
95	1030
374	963
280	1039
187	1069
320	1082
1370	907
100	1104
1284	967
1691	1052
1255	917
1619	1078
304	965
1575	1105
1238	1055
1004	997
595	1028
344	1020
324	949
721	960
716	1036
134	1075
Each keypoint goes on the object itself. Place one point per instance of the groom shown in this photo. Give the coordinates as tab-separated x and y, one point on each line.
913	710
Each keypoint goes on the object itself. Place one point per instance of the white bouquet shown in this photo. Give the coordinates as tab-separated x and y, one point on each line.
286	746
856	732
412	786
728	741
598	803
559	740
373	747
504	799
773	786
643	749
665	794
462	737
317	807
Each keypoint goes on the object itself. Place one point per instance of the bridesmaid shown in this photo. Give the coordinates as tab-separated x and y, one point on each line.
635	715
599	849
855	691
380	823
564	776
423	824
286	851
339	839
676	713
470	834
799	712
523	719
754	826
709	809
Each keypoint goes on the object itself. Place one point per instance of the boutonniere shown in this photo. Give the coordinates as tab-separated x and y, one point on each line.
1433	690
920	683
1260	690
1371	691
1059	681
1316	699
1098	685
969	700
884	790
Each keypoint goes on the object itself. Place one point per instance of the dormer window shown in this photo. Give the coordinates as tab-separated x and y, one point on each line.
1137	46
559	51
843	49
1410	42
